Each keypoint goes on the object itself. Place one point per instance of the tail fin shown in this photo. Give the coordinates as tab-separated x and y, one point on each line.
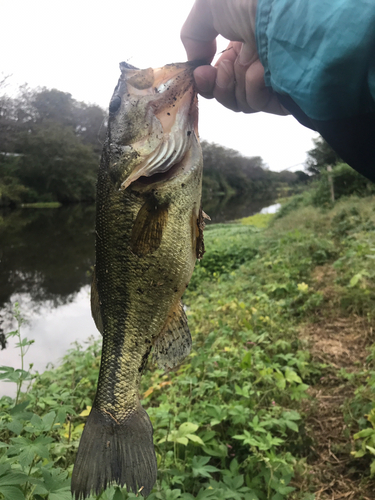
111	452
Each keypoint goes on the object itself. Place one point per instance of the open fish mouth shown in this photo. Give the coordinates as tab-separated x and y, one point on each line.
171	118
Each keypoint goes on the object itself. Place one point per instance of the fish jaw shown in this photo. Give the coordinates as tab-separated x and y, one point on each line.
153	122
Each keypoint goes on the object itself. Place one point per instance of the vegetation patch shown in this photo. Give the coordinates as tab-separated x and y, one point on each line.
276	400
258	220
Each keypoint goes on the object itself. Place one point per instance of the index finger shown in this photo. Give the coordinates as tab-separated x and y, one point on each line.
198	33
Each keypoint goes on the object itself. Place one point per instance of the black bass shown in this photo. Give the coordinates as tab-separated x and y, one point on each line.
148	237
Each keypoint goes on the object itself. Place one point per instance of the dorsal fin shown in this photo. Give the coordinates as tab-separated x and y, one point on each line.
174	342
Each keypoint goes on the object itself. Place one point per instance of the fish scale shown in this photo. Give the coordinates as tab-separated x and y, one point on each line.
148	236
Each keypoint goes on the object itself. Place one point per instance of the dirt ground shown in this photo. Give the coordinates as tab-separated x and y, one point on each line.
338	343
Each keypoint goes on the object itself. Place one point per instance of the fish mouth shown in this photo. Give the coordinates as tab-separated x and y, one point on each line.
173	115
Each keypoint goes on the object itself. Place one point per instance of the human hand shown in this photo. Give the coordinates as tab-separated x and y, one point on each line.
237	79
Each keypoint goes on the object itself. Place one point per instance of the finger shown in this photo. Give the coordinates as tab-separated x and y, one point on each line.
258	96
230	89
246	57
224	90
198	34
205	77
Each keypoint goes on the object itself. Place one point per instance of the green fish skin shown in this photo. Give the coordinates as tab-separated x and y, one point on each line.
149	227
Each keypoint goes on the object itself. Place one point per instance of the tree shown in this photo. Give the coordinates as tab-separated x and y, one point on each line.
302	177
321	156
58	143
56	164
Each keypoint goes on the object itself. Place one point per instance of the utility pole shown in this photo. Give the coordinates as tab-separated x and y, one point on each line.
330	180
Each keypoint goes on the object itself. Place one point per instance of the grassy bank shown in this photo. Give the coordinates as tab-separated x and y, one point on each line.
277	399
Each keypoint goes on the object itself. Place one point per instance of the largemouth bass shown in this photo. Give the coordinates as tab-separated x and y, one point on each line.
148	237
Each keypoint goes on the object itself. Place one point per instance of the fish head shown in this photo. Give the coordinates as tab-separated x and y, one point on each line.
152	124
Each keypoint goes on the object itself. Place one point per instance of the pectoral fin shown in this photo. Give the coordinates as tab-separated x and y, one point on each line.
148	228
95	304
174	342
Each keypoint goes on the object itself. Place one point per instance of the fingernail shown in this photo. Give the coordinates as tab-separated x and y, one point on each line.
224	75
203	85
244	57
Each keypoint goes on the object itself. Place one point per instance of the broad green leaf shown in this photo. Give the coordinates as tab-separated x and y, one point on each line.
364	433
285	490
200	468
40	490
57	484
195	438
4	468
370	449
118	495
187	428
182	440
13	478
204	493
12	493
246	362
355	280
291	376
48	420
61	494
292	425
359	453
15	426
291	415
19	409
218	451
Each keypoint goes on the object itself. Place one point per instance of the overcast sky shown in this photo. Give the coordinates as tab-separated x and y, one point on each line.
76	46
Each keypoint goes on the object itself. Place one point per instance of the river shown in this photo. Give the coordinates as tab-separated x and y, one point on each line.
46	260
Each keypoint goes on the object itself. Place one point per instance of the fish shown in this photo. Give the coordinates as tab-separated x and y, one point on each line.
149	234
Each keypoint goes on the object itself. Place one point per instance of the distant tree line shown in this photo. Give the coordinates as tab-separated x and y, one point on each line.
50	146
228	173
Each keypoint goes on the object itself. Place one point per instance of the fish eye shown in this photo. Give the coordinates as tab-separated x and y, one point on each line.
115	104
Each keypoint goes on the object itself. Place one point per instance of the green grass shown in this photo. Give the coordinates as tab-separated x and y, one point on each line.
229	423
257	220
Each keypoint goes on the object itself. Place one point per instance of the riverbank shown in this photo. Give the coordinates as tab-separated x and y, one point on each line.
277	399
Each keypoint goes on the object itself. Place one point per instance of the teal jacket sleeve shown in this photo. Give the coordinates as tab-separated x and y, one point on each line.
319	57
321	53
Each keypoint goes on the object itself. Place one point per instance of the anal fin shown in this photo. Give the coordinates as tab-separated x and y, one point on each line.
174	342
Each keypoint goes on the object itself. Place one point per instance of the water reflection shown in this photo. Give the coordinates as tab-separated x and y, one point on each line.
54	329
222	209
272	209
46	254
